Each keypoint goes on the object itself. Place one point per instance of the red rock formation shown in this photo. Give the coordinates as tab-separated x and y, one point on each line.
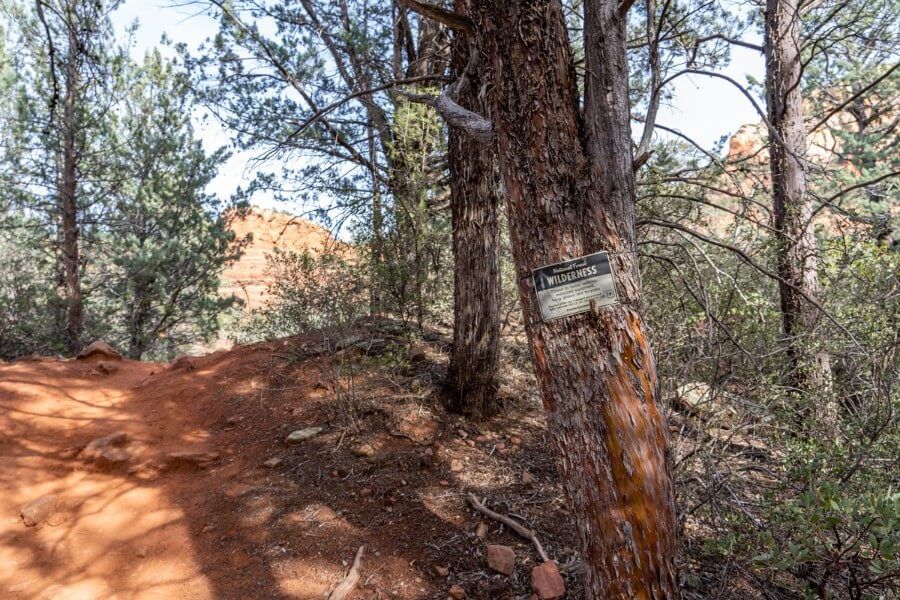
248	278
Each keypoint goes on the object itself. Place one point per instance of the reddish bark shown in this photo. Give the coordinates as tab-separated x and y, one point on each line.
570	191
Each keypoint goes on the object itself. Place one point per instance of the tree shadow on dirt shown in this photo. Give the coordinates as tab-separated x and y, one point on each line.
240	529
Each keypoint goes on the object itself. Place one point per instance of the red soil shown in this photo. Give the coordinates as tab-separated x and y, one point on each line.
239	529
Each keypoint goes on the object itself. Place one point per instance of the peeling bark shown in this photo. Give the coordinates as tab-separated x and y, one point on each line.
472	374
570	191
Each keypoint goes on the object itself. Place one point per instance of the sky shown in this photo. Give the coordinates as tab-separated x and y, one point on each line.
704	108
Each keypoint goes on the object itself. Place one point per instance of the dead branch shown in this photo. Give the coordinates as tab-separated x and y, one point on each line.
515	526
454	21
472	123
347	586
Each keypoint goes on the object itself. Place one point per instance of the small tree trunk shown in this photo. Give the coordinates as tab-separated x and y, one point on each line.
67	201
472	374
797	260
569	194
377	243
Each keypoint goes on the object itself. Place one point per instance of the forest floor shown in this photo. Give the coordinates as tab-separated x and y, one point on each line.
203	497
179	480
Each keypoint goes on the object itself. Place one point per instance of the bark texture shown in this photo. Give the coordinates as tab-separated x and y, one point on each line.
472	374
570	191
67	201
797	259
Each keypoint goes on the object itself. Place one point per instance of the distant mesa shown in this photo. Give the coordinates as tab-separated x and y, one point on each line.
248	278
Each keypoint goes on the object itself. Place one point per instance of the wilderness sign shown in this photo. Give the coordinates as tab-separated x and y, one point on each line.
569	287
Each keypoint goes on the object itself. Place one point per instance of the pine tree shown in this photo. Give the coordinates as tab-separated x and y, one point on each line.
67	65
167	239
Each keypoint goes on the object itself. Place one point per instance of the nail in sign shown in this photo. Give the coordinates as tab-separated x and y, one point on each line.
567	288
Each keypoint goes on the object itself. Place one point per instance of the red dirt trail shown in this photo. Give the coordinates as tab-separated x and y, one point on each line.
236	528
226	531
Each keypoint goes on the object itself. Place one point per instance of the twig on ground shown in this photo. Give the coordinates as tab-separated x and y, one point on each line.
347	586
517	527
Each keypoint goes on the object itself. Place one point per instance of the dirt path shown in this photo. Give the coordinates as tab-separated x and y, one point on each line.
233	527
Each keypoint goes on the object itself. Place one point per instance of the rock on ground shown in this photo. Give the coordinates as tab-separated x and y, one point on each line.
301	435
547	582
456	592
99	351
189	460
39	510
107	452
501	559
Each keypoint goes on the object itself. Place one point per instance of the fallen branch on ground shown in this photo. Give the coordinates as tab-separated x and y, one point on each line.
517	527
346	587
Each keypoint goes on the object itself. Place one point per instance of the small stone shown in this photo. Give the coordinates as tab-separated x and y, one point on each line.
527	478
441	571
456	465
39	510
482	439
547	582
273	462
456	592
501	559
444	483
116	440
470	443
481	530
111	459
365	492
99	351
301	435
234	420
364	451
515	440
107	452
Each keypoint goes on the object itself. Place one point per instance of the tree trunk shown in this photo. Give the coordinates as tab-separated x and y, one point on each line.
797	260
472	374
570	192
377	243
67	200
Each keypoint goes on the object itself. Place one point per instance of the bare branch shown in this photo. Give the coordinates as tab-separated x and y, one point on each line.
518	528
456	116
719	36
346	587
454	21
338	103
653	106
829	202
624	7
